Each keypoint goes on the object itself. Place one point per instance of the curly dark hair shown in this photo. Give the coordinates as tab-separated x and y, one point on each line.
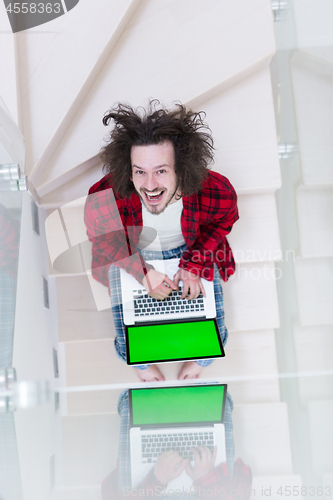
190	136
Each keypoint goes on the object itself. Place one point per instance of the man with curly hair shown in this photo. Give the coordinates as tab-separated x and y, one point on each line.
159	200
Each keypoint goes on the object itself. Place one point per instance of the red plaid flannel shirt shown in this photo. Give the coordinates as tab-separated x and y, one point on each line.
114	224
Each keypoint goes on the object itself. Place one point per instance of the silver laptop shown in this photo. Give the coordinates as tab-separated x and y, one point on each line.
177	418
138	306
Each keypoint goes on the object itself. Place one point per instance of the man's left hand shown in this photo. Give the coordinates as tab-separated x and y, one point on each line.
169	466
191	284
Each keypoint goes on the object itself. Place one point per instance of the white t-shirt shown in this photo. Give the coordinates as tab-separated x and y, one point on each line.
167	225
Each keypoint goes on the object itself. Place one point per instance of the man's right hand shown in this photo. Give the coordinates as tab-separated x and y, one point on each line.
204	461
154	283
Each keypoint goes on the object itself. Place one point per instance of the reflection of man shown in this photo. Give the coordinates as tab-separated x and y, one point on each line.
157	166
228	480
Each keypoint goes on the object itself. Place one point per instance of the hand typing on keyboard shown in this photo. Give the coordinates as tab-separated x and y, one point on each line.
204	460
158	285
144	304
169	466
192	285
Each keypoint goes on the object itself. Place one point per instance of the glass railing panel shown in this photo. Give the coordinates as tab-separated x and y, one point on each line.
12	183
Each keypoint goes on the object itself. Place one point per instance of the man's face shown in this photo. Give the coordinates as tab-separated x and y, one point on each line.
154	176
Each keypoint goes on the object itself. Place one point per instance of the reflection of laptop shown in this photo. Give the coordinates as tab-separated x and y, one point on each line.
176	418
138	306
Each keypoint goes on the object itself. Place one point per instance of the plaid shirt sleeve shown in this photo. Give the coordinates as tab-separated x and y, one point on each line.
215	210
112	241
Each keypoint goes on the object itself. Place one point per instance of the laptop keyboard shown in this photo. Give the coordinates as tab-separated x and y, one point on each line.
154	445
144	305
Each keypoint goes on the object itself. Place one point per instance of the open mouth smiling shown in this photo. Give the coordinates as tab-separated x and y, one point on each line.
154	196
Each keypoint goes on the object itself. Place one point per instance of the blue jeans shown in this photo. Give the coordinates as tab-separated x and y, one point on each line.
117	307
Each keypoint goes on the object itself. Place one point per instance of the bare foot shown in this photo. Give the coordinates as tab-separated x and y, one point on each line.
150	374
190	369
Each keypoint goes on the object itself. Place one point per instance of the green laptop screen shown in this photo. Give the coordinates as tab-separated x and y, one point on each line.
177	405
164	342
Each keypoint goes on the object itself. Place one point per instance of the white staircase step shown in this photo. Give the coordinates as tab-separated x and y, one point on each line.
314	360
78	317
275	487
314	285
315	221
69	248
323	52
92	402
261	433
94	362
255	236
250	298
65	229
321	435
257	390
312	23
246	154
243	350
230	25
313	96
90	448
